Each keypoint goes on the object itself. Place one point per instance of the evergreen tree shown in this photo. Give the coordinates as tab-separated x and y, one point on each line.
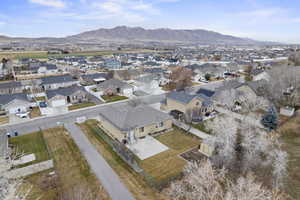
270	119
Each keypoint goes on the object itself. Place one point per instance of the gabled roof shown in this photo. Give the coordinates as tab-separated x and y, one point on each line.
181	97
208	93
63	91
94	76
113	84
126	117
7	98
57	79
13	84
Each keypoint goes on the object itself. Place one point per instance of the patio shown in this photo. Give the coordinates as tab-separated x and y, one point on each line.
147	147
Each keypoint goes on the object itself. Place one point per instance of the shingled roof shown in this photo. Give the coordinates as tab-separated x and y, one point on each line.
57	79
63	91
126	117
6	98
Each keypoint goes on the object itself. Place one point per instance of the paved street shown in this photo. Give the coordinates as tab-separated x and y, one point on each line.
109	179
32	125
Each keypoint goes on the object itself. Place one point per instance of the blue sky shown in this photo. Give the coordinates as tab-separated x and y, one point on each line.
275	20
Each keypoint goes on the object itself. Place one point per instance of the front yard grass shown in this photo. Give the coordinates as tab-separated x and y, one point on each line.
168	164
35	112
109	99
133	181
33	143
4	120
42	98
81	105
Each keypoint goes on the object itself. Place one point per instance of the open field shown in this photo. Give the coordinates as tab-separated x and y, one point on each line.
134	182
114	98
168	164
44	55
72	179
31	143
4	120
81	105
290	132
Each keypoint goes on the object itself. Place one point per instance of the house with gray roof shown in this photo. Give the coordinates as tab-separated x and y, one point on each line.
95	78
183	102
127	123
116	86
55	82
15	103
64	96
11	87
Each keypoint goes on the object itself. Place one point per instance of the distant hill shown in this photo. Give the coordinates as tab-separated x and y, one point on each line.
132	35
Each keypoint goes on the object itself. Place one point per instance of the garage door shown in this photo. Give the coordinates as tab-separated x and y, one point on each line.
17	109
57	103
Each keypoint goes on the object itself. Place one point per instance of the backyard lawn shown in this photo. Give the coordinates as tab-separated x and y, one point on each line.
31	143
168	164
81	105
4	120
134	181
110	99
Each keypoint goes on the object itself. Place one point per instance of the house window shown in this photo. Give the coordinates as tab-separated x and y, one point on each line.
141	129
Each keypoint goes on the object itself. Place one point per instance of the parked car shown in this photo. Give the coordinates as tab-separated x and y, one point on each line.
43	104
22	114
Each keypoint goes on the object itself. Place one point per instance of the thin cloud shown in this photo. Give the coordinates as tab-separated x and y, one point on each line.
49	3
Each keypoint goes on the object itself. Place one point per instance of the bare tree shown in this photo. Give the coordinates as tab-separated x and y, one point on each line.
200	182
203	182
283	87
243	148
181	77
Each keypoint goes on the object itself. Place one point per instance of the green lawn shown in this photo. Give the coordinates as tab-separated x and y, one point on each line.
4	120
166	165
40	98
201	127
31	143
109	99
81	105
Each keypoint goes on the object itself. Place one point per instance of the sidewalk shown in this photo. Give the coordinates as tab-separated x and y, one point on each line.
32	169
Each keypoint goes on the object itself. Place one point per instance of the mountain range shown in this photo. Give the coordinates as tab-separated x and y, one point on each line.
124	34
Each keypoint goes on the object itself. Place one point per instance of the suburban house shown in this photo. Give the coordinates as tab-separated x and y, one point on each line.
11	87
116	86
127	74
112	64
183	102
64	96
55	82
43	68
95	78
15	103
127	123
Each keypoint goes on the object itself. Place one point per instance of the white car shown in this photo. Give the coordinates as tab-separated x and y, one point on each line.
22	114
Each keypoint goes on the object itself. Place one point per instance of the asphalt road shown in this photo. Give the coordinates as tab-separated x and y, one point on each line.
53	121
105	174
